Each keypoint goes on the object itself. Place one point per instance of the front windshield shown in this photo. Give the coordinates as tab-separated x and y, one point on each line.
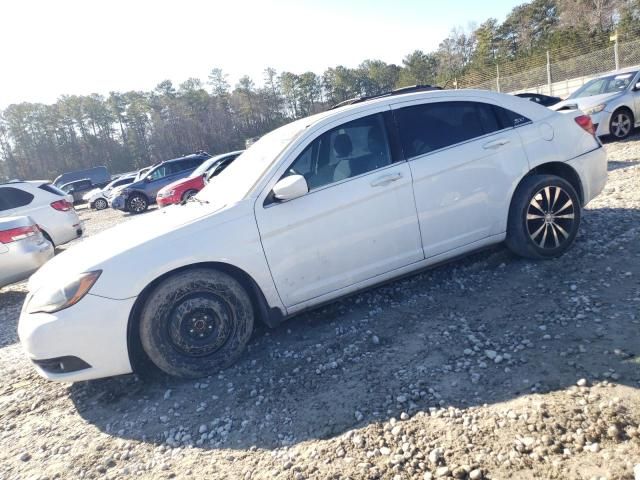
203	167
235	181
602	85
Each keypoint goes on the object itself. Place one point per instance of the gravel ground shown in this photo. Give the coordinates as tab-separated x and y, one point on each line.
488	367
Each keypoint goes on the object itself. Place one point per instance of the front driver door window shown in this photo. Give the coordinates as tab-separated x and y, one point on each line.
357	222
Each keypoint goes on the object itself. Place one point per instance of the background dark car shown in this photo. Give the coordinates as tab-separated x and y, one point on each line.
137	197
78	188
97	175
544	100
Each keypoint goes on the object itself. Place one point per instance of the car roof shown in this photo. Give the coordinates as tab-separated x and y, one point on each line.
522	106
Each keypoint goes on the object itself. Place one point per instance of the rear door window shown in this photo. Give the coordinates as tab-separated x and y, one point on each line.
11	198
433	126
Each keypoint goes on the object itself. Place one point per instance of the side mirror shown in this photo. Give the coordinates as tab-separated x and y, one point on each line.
147	179
637	87
290	187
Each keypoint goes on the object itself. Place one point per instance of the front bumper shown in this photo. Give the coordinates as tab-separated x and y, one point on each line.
166	201
119	203
93	331
592	169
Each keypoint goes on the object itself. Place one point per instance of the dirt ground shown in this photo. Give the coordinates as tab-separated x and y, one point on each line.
489	367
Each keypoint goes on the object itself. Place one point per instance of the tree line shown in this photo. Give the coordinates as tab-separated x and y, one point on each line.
129	130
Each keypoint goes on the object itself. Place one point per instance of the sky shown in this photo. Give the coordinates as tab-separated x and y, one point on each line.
55	47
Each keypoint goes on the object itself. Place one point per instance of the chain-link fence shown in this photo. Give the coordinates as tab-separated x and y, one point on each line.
543	75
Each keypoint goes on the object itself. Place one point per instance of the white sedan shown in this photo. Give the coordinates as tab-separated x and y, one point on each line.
315	210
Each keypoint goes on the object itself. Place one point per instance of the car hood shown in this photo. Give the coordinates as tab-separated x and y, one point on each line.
584	103
95	251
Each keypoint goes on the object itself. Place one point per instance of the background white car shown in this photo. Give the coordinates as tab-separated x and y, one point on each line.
313	211
47	205
23	249
98	198
612	101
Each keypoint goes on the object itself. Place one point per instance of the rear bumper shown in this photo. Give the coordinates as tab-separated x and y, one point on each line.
592	169
89	339
23	258
66	228
601	119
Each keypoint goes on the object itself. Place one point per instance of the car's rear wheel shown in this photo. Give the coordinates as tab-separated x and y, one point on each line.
621	123
137	203
544	217
188	194
196	323
100	204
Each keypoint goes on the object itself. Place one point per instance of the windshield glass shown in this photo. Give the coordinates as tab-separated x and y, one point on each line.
235	181
608	84
203	167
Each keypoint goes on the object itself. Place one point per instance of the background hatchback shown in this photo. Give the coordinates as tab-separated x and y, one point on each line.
51	208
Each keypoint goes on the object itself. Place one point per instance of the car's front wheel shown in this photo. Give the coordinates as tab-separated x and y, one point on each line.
621	123
188	194
137	203
100	204
544	217
196	323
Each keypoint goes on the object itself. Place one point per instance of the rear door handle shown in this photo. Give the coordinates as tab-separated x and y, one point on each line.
495	144
386	180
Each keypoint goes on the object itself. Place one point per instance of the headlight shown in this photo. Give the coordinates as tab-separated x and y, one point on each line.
170	193
596	109
56	298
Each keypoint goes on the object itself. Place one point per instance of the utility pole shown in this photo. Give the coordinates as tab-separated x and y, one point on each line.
614	38
550	87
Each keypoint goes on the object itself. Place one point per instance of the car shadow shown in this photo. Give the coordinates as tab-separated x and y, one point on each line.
485	329
616	165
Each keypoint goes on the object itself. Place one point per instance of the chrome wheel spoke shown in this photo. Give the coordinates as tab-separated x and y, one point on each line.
544	235
561	230
555	234
564	207
567	216
532	216
535	204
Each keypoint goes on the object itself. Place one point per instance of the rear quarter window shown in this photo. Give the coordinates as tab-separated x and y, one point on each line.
11	197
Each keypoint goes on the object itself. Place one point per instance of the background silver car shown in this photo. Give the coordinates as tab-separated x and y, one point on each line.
23	249
612	101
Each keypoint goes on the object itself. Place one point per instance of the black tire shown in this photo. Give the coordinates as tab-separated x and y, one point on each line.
100	204
188	194
621	123
544	217
137	203
196	323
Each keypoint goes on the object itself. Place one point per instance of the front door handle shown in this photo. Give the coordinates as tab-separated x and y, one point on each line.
495	144
386	180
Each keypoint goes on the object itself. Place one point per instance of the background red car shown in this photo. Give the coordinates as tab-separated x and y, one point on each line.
183	189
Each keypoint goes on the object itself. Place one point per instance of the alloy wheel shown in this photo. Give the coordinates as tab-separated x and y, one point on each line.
101	204
138	204
621	125
550	217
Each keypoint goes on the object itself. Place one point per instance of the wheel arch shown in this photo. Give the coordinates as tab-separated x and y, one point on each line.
270	316
562	170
